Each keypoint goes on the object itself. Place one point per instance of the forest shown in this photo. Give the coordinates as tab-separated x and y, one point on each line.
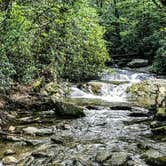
83	82
76	38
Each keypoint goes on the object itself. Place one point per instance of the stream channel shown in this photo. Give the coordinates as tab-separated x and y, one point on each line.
114	132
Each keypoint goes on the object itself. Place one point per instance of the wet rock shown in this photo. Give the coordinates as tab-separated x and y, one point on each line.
161	113
42	154
68	110
138	63
103	156
34	142
120	107
118	159
43	132
80	161
13	138
26	120
62	139
159	130
155	158
38	132
30	130
143	146
155	124
9	152
92	107
9	160
148	93
91	87
12	128
95	87
138	114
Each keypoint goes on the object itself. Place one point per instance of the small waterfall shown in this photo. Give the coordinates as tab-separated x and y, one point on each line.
113	86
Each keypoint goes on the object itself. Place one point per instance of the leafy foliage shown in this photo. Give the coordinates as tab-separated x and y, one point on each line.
64	36
134	27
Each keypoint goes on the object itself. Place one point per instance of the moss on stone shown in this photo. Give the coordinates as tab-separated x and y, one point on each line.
161	112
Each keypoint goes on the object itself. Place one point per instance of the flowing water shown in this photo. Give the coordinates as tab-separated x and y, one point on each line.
113	133
113	86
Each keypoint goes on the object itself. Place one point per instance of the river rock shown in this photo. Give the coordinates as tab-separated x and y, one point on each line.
159	130
91	87
64	138
95	87
147	93
138	63
13	138
36	131
30	130
118	159
103	156
68	110
9	152
42	154
45	131
108	158
9	160
161	113
34	142
155	158
12	128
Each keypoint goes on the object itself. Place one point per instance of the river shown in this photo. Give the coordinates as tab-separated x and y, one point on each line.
114	132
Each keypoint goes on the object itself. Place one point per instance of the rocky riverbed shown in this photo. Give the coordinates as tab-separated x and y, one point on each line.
114	131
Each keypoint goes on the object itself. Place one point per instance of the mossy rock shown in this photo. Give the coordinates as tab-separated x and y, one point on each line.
51	87
161	113
37	84
95	87
154	157
159	161
147	92
91	87
68	110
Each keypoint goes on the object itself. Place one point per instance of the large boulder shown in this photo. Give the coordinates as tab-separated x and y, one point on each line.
149	93
138	63
68	110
